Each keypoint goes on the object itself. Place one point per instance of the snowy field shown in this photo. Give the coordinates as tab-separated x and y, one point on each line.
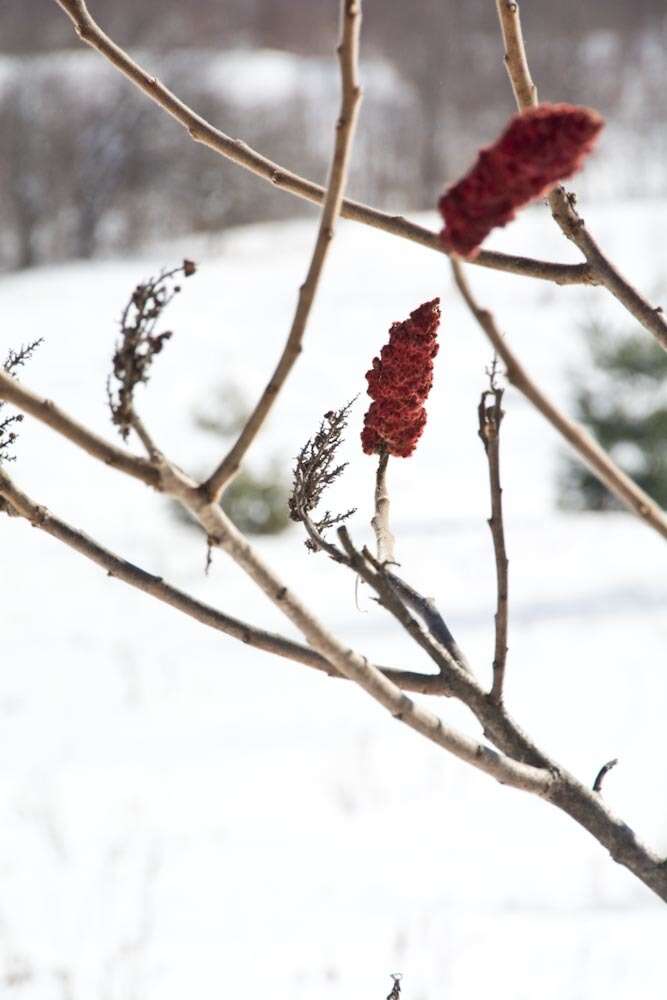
184	817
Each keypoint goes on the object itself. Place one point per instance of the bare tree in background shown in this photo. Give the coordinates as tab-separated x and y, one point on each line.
503	749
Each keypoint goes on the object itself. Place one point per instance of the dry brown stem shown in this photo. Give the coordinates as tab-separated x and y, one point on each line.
140	579
239	152
517	761
520	763
45	410
588	450
490	419
222	533
348	53
562	203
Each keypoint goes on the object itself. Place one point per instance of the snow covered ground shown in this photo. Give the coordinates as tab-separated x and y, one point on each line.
181	816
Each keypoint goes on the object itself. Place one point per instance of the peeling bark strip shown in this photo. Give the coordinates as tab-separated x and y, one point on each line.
544	145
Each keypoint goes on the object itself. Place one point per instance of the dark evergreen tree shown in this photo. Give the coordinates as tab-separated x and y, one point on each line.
626	411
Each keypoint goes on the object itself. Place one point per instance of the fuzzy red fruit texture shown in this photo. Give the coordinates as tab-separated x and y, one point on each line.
538	148
399	382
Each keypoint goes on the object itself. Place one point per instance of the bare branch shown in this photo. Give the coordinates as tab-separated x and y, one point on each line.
543	777
396	988
400	599
137	425
222	533
562	203
520	763
490	418
48	413
239	152
517	760
348	52
138	578
588	450
380	520
516	62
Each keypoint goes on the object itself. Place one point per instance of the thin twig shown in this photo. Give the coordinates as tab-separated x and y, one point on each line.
384	581
426	608
348	52
393	599
561	202
224	534
588	450
144	436
395	594
490	418
380	520
20	504
50	414
516	62
542	777
239	152
602	774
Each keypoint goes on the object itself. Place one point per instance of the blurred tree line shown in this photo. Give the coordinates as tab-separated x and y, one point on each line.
90	166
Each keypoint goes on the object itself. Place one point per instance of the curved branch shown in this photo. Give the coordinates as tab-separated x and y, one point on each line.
222	533
241	153
520	763
562	204
588	450
541	776
138	578
348	52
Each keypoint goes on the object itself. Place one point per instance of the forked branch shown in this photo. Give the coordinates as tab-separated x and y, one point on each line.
516	761
519	763
588	450
562	203
48	413
20	504
241	153
348	53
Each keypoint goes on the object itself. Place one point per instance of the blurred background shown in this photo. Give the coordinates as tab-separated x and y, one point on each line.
90	166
